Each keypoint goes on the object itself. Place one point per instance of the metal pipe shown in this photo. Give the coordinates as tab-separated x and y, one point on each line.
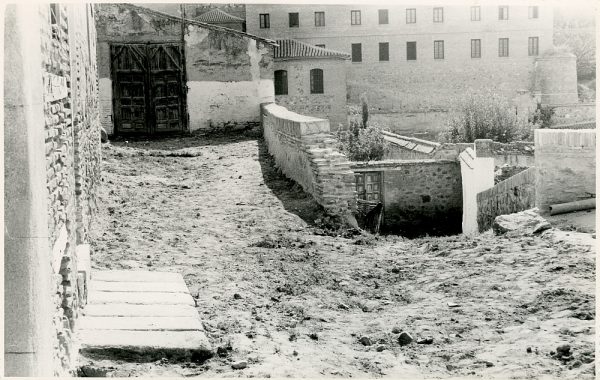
562	208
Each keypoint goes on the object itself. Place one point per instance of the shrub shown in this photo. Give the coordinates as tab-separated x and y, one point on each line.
486	116
542	117
365	111
361	144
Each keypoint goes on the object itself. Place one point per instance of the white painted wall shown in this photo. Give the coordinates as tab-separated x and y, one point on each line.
477	176
105	103
212	103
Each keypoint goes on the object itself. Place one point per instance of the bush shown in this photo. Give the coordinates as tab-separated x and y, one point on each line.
361	144
486	116
542	118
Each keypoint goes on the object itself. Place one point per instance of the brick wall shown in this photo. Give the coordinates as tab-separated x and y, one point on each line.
305	151
514	194
565	162
419	196
331	104
72	157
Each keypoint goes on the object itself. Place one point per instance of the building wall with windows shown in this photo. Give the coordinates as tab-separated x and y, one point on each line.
426	82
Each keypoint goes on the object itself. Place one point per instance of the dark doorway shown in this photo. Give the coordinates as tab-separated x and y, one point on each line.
148	88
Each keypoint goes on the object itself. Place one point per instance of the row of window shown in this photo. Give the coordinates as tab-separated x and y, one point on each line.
411	16
438	49
316	82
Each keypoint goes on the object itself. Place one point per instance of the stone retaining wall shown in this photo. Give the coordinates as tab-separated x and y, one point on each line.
514	194
305	151
565	162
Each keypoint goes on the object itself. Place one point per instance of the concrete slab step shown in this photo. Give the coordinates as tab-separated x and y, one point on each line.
141	323
140	298
136	276
129	310
141	316
114	286
145	346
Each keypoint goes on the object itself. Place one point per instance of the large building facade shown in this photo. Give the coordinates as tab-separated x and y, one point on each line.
419	58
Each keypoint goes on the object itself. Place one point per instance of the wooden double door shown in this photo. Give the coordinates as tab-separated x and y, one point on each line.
149	91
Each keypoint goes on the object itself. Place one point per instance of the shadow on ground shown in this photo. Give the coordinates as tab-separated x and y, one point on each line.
291	194
185	141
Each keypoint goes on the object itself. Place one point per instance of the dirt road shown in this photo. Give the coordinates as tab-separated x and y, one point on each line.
279	292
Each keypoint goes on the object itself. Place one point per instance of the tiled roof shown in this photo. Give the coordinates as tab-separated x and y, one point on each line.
201	24
217	16
297	49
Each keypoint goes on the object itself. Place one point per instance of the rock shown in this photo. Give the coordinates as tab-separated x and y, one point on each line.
404	338
103	135
427	340
396	330
564	350
488	364
524	223
528	350
313	336
236	296
365	341
380	348
239	365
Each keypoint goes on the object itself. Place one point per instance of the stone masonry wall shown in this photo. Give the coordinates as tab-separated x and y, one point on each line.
514	194
419	196
565	162
72	155
304	150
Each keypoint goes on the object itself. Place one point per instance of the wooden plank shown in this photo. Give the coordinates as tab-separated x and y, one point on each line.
185	323
140	298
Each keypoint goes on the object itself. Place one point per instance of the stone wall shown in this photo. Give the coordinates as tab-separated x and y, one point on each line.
573	113
555	78
331	104
72	151
419	196
225	70
305	151
514	194
565	162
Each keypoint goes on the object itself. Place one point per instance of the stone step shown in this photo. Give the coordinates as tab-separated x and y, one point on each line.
140	298
145	346
141	323
136	276
141	316
114	286
129	310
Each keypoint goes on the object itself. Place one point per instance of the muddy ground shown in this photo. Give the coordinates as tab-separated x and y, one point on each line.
289	297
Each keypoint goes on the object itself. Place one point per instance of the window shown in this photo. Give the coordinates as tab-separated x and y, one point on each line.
294	20
411	51
533	12
438	14
503	47
384	51
320	45
475	48
281	82
534	43
265	23
354	17
411	15
476	13
438	49
316	81
319	18
503	12
383	16
356	53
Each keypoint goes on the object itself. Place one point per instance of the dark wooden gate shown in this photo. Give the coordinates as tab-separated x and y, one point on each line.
148	90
